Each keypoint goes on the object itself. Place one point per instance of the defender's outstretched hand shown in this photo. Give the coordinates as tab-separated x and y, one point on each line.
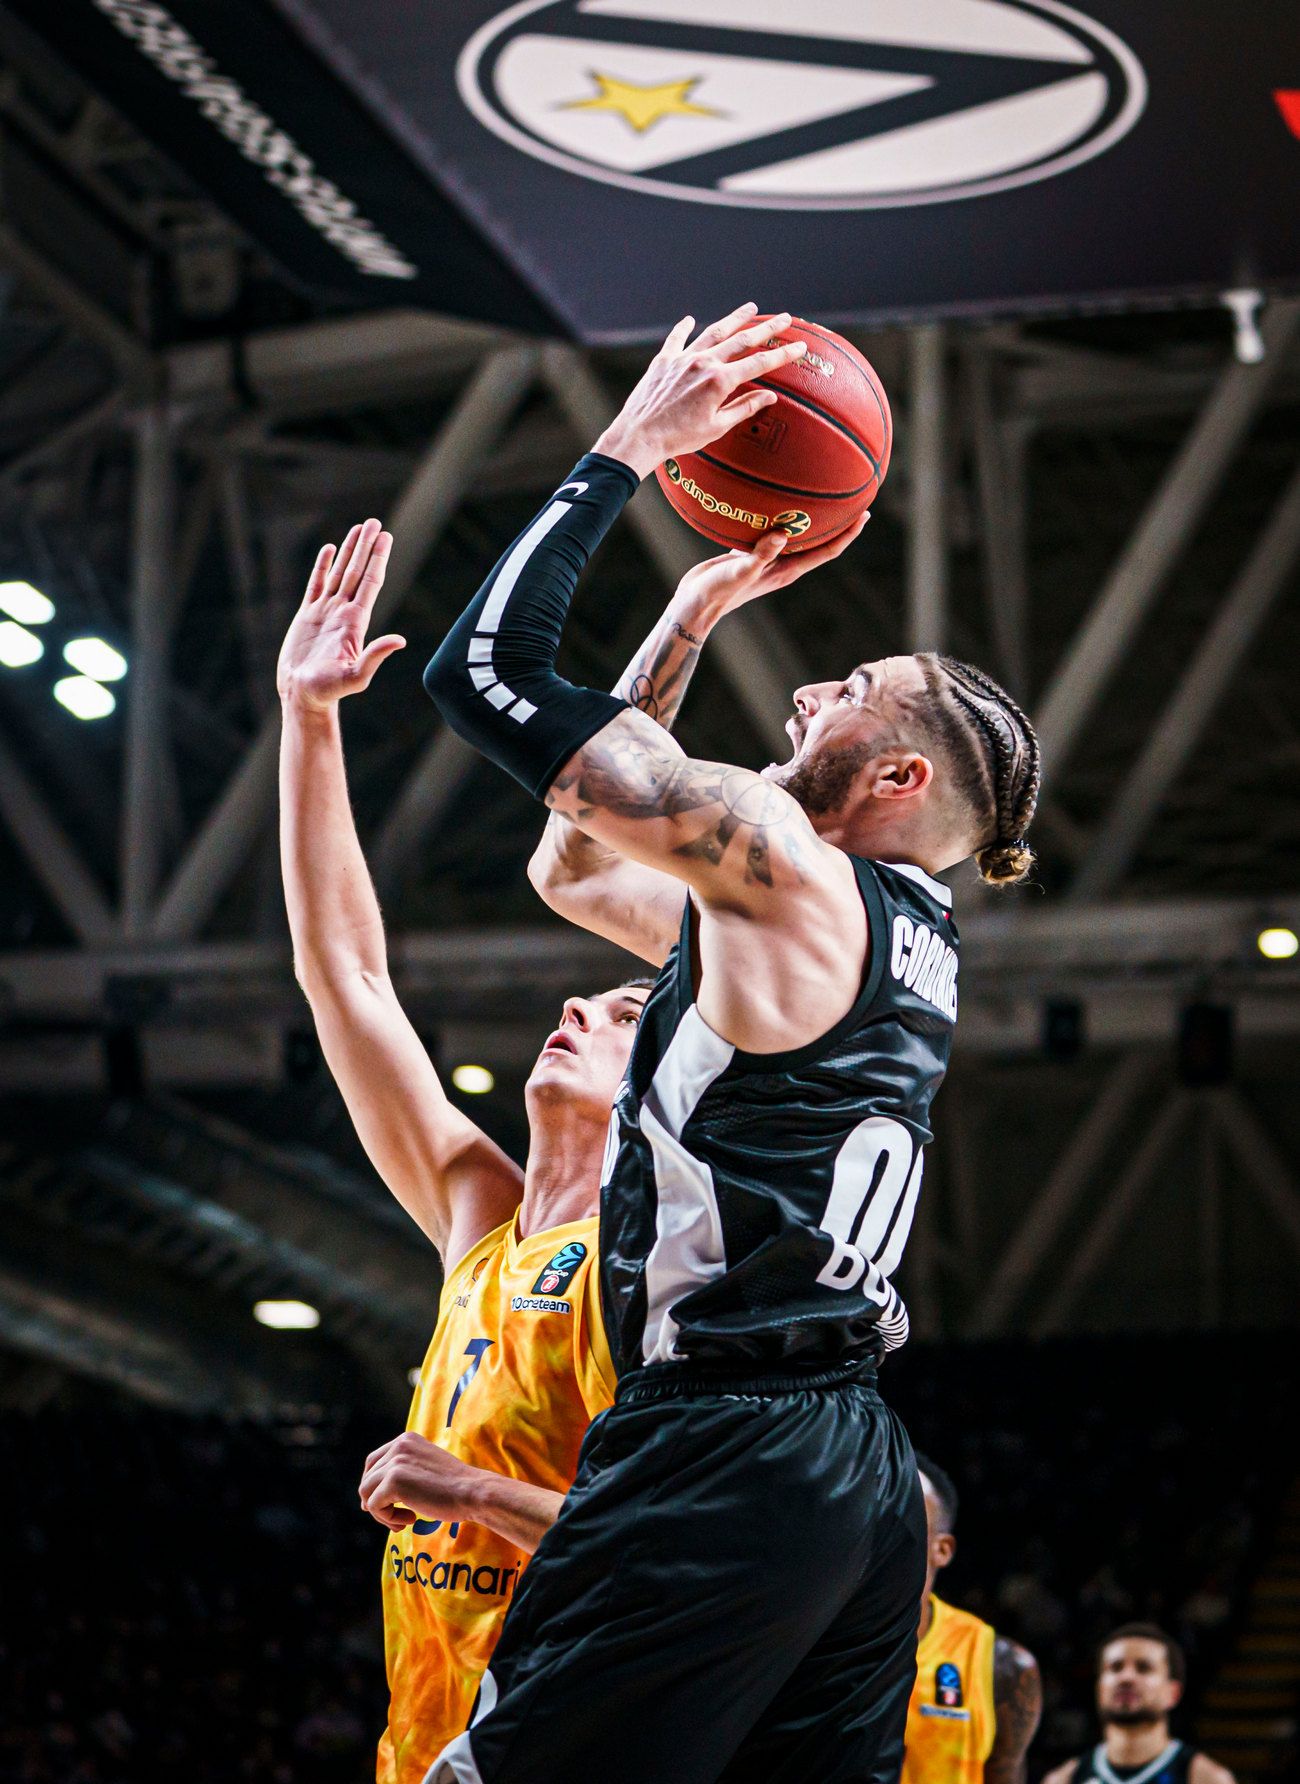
688	395
721	584
325	655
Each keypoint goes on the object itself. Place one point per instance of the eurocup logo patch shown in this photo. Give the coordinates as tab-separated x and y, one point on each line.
846	105
947	1685
561	1270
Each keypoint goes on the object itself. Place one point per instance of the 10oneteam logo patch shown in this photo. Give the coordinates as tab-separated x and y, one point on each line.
841	106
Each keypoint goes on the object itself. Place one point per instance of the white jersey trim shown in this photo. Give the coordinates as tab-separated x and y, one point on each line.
940	893
456	1763
688	1248
1102	1766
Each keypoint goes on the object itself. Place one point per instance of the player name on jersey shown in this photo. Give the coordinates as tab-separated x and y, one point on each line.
921	959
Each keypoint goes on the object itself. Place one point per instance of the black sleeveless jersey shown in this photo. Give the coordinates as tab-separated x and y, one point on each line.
1173	1766
754	1206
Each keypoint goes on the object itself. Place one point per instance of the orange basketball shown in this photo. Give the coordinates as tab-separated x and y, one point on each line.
810	462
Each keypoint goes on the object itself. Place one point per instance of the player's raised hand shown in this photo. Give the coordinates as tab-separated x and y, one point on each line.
721	584
325	655
690	393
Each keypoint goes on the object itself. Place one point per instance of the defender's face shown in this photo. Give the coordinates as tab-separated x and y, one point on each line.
584	1058
833	716
1133	1683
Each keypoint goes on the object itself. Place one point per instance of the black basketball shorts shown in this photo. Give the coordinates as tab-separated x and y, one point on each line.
731	1592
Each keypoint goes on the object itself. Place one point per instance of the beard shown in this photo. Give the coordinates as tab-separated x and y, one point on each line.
1139	1716
822	782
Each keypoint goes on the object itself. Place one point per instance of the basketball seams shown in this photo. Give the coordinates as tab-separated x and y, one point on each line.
789	489
861	366
806	402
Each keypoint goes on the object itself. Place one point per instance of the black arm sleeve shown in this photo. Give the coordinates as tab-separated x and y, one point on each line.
493	678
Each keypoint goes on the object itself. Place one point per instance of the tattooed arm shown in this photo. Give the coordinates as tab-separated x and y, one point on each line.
782	938
593	885
630	904
1018	1701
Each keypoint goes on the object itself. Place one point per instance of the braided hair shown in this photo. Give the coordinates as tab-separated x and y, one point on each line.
994	754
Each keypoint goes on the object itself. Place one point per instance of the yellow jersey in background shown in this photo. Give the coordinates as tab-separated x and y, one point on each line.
951	1720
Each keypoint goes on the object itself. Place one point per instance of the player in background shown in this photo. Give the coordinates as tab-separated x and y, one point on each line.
978	1696
730	1589
518	1363
1141	1675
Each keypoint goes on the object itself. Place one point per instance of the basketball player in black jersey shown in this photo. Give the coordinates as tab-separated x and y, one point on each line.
1141	1673
730	1589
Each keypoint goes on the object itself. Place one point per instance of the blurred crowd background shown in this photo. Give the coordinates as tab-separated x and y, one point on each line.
196	1598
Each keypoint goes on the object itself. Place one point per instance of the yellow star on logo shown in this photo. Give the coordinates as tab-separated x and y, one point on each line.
643	106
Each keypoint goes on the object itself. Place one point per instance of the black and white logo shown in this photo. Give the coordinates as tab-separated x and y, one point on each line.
845	105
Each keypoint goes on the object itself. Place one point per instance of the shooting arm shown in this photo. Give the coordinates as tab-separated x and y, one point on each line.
596	760
1018	1701
583	880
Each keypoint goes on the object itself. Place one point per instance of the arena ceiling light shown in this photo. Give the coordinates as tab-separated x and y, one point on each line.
286	1316
1278	943
96	658
474	1080
84	698
18	646
25	604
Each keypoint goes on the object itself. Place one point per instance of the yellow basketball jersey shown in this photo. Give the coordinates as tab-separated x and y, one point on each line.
517	1369
951	1720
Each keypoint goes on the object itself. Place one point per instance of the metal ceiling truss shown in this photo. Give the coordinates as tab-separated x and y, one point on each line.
239	450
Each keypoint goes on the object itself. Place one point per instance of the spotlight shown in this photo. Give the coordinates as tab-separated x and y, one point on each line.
18	646
26	604
1247	341
1278	943
286	1316
84	698
96	658
474	1080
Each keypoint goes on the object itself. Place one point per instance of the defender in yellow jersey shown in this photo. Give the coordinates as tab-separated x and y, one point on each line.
978	1697
518	1365
517	1369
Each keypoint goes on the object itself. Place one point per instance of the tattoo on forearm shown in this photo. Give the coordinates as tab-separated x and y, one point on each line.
641	694
631	777
656	683
1018	1699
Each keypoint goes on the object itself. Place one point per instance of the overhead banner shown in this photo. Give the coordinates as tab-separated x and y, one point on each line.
610	164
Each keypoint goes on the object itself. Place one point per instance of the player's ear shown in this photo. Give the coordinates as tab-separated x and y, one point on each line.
944	1548
902	775
1173	1694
